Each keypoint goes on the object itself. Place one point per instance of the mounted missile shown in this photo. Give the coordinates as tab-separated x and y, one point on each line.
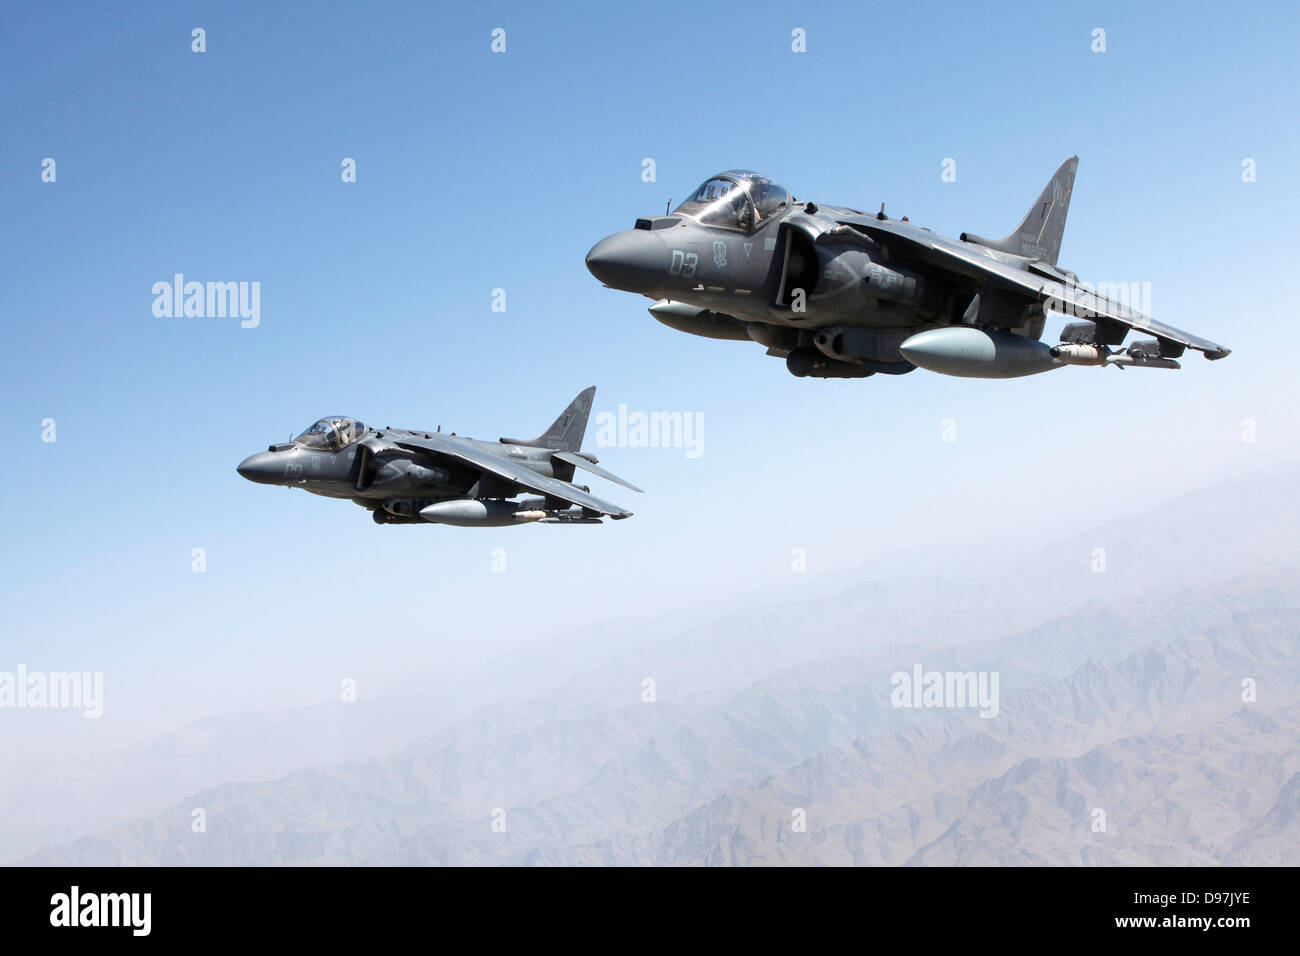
1139	355
1081	354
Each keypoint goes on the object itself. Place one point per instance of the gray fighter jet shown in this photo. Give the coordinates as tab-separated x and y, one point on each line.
412	477
842	294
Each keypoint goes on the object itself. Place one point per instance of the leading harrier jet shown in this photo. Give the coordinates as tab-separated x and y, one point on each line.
842	294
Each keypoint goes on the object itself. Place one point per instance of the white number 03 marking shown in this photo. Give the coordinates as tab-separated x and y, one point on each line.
683	263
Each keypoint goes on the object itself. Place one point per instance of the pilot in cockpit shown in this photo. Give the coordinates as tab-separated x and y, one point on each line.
742	208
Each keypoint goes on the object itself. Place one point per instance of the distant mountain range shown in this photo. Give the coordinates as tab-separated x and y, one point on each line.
772	737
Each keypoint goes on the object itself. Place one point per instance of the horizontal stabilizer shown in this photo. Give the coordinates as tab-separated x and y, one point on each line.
578	461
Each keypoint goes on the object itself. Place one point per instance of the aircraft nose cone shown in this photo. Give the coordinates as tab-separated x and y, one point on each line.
261	468
635	260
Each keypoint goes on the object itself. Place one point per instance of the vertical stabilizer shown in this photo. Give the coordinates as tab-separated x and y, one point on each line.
1039	234
565	434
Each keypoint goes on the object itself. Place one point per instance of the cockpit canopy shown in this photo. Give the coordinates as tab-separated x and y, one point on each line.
332	433
736	199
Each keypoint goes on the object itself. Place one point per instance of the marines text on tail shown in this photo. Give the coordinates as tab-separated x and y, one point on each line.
841	294
412	477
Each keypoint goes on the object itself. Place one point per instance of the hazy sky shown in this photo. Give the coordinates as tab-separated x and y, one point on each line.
478	171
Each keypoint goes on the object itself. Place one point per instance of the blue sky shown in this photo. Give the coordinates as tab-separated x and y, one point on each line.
479	171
